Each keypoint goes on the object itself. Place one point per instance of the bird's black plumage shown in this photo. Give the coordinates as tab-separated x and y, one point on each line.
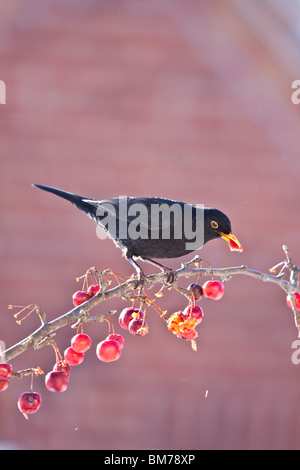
151	227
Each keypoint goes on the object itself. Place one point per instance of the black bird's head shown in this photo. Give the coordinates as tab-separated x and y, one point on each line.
217	224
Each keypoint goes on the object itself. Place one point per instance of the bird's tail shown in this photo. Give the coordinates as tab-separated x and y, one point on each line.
79	201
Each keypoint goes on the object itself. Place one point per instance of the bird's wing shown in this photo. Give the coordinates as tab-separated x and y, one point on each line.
150	213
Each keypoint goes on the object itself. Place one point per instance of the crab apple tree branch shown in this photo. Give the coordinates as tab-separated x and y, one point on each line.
81	314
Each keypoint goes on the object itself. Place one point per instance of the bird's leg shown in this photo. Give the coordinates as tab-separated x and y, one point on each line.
172	274
140	273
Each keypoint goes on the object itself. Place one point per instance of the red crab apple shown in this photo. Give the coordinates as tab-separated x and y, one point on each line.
289	303
62	366
127	315
118	338
57	381
213	290
4	383
174	323
196	290
81	343
190	334
94	289
80	297
29	402
108	350
138	327
234	246
5	371
72	357
193	311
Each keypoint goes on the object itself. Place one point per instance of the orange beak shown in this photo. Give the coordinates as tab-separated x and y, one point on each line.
233	242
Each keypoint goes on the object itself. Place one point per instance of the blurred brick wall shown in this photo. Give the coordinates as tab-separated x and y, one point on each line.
176	99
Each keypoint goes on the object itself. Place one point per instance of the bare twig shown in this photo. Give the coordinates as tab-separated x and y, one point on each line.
31	371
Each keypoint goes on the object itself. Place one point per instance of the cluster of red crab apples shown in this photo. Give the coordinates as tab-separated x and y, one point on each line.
181	323
57	380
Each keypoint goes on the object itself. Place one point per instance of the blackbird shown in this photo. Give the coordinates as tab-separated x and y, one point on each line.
152	227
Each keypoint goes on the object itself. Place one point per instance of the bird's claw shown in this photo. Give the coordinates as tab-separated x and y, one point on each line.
171	277
140	282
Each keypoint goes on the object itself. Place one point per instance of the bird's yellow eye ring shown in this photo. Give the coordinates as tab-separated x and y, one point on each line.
214	224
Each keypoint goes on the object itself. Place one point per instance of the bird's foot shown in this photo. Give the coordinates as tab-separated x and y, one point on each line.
141	277
140	283
171	276
171	273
